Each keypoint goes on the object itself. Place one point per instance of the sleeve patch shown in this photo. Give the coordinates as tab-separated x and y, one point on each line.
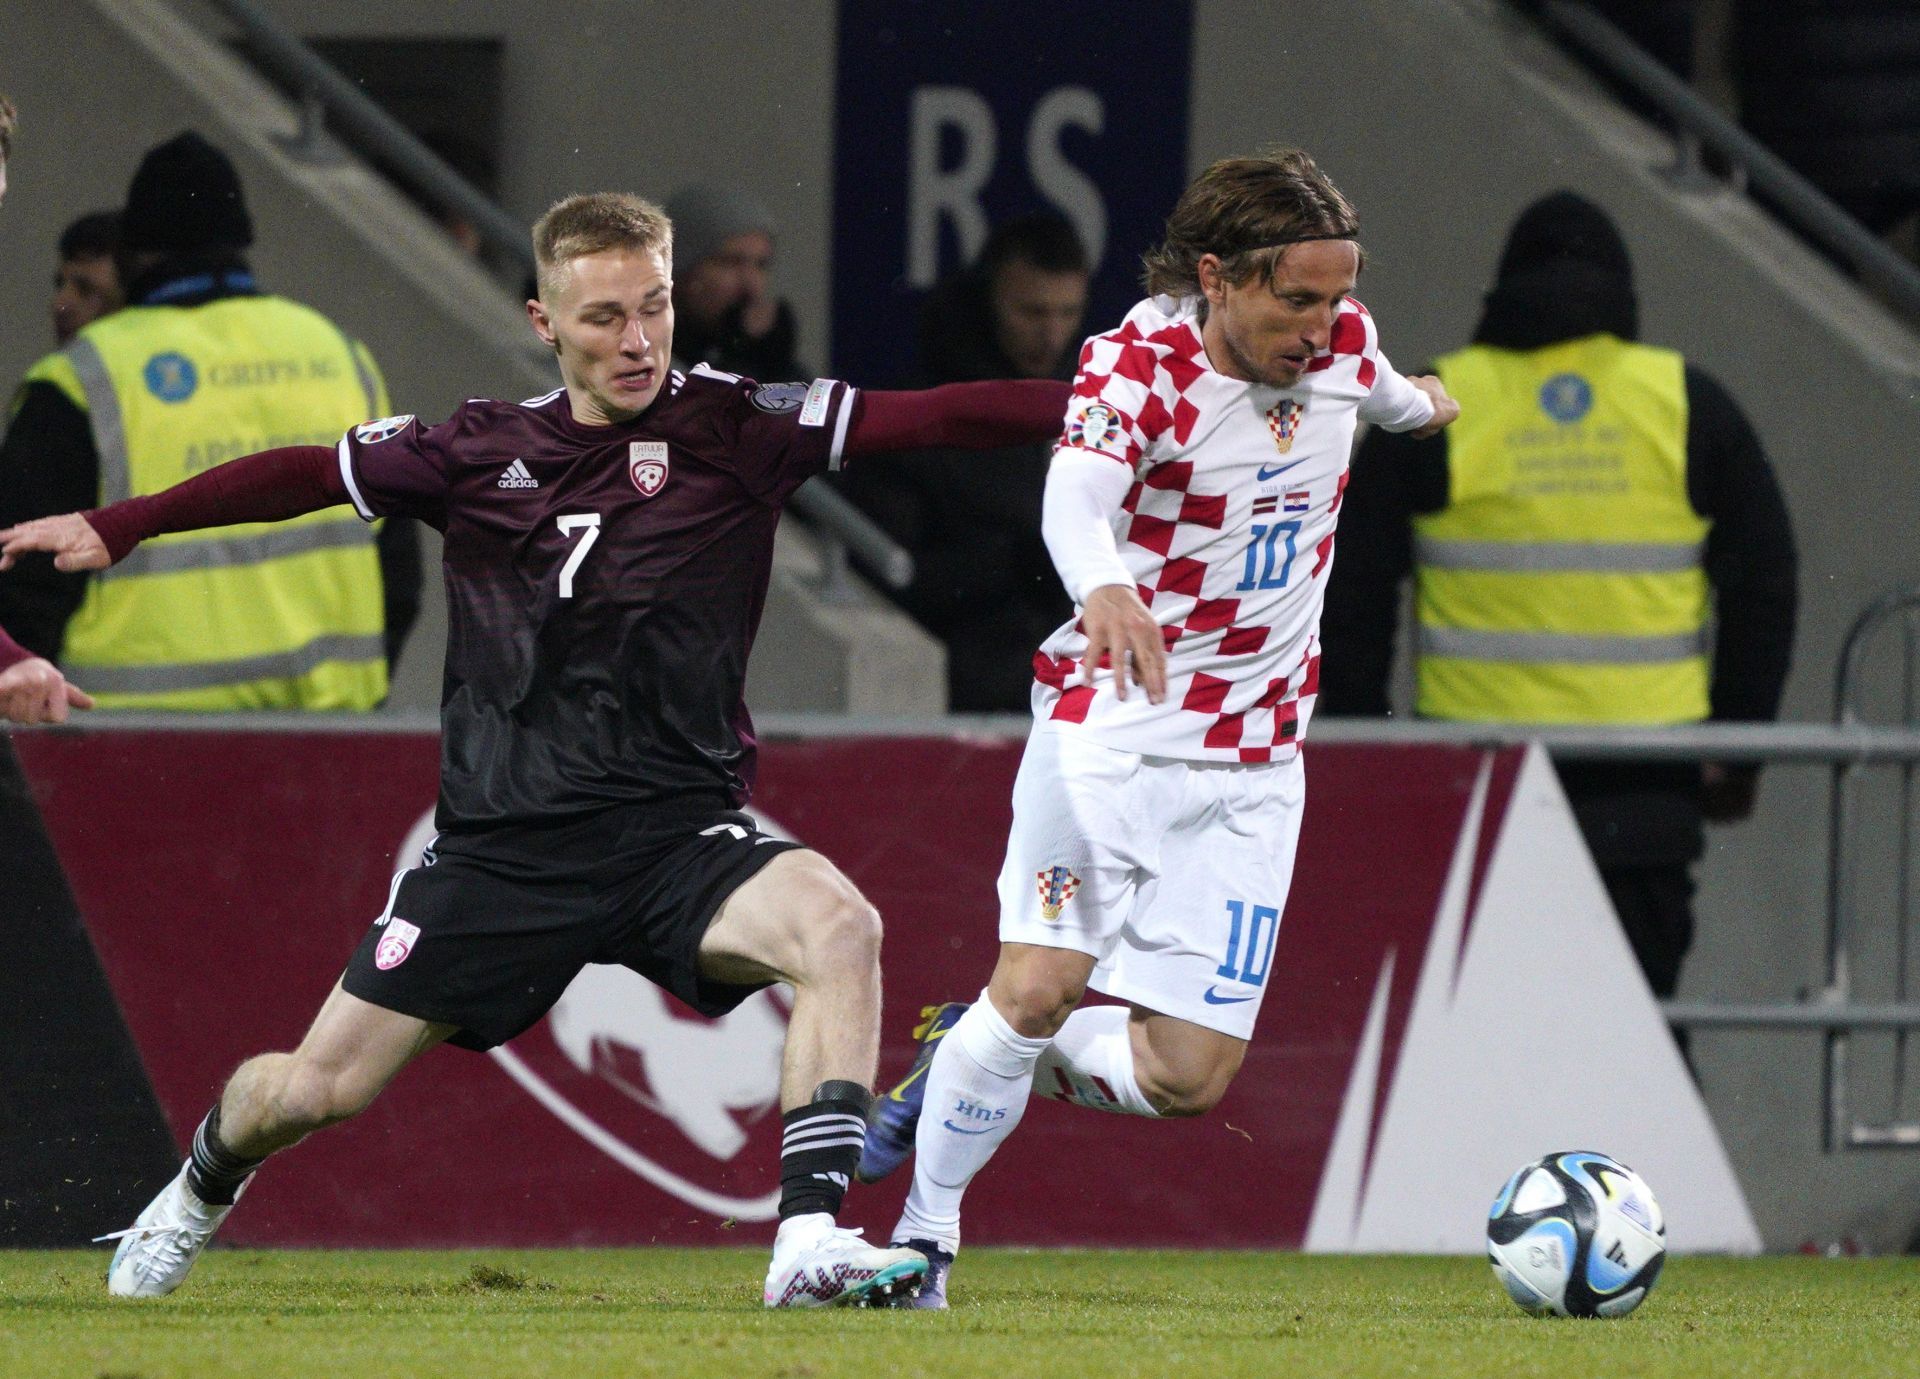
779	398
373	432
1095	426
819	398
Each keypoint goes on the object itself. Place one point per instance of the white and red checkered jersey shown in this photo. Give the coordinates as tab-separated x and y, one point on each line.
1226	531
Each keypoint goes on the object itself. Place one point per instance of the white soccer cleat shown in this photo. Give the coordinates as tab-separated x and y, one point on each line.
157	1251
819	1264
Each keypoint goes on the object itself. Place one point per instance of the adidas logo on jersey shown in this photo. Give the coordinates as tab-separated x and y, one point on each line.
518	477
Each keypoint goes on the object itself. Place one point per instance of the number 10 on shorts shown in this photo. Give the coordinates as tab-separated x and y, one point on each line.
1250	943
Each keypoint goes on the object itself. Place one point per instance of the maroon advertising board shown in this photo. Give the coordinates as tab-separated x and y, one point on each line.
225	876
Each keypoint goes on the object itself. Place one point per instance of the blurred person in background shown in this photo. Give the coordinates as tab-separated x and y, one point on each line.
1599	540
725	311
32	689
200	367
983	582
86	280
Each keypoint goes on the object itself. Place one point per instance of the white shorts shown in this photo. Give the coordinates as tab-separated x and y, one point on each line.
1172	874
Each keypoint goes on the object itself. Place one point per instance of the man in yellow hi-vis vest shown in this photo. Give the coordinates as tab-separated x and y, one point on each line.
1598	540
199	368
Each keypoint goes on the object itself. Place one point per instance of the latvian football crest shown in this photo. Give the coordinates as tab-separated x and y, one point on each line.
1283	419
647	466
395	944
1057	887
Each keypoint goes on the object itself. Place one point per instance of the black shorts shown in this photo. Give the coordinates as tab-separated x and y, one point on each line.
489	930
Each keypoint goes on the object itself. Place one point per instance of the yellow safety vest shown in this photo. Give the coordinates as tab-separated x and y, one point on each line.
1562	582
258	616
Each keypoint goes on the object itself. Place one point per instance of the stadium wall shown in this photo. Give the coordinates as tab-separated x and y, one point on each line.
1441	119
1418	1037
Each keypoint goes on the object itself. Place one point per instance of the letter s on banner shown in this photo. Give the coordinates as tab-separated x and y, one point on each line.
933	192
1075	193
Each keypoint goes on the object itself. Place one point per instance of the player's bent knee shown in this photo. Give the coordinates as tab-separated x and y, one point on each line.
1036	996
839	928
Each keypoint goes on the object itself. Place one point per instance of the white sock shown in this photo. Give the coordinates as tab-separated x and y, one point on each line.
976	1093
1090	1063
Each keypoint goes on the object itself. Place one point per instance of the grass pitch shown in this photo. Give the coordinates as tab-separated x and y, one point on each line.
585	1314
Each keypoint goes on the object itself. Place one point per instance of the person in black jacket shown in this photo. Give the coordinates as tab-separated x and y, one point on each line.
726	313
983	581
1565	275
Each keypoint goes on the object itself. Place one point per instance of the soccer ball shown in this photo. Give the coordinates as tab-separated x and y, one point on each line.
1576	1235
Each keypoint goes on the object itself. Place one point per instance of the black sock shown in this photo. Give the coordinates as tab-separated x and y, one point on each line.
215	1172
820	1147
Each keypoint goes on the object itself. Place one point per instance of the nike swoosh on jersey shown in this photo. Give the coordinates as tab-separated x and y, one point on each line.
962	1130
1214	1000
1274	473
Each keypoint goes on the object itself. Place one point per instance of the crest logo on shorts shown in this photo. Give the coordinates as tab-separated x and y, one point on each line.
1097	427
373	432
395	944
1057	887
647	466
1283	420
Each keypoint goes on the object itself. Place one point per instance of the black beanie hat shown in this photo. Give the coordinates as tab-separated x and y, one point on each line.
186	197
1563	229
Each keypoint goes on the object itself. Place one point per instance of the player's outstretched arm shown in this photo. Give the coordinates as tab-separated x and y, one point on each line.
270	486
989	415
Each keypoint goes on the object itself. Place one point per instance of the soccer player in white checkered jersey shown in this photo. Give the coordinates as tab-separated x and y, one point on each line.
1190	511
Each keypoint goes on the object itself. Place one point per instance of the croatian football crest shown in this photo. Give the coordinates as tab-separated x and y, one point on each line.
1095	428
1057	887
395	944
1283	419
373	432
647	466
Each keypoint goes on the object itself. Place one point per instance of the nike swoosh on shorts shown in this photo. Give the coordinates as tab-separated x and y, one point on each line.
1214	1000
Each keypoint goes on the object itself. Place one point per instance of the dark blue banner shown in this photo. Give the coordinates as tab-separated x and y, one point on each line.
951	118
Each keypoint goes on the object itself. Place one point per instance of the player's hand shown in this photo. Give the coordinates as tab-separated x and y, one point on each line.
36	692
1445	410
75	545
1122	633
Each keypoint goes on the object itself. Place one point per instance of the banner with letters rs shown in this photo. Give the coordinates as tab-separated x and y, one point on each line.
949	119
1447	996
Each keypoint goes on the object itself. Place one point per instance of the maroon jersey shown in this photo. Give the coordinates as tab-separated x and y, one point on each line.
604	584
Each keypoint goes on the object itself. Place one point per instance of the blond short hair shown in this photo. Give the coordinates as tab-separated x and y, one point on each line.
592	223
8	118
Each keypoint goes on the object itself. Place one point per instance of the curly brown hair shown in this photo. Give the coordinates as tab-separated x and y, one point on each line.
1246	211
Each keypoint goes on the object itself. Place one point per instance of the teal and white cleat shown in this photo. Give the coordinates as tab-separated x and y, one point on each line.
818	1264
157	1251
895	1116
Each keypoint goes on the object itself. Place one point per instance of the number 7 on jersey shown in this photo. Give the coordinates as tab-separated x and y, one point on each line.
588	525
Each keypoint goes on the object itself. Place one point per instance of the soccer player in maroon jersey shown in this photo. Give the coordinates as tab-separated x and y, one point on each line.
608	548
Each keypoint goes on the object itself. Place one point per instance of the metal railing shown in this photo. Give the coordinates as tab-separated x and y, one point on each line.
327	94
1847	933
1698	124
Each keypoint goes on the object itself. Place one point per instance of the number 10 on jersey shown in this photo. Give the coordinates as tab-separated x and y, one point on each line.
1263	554
587	525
